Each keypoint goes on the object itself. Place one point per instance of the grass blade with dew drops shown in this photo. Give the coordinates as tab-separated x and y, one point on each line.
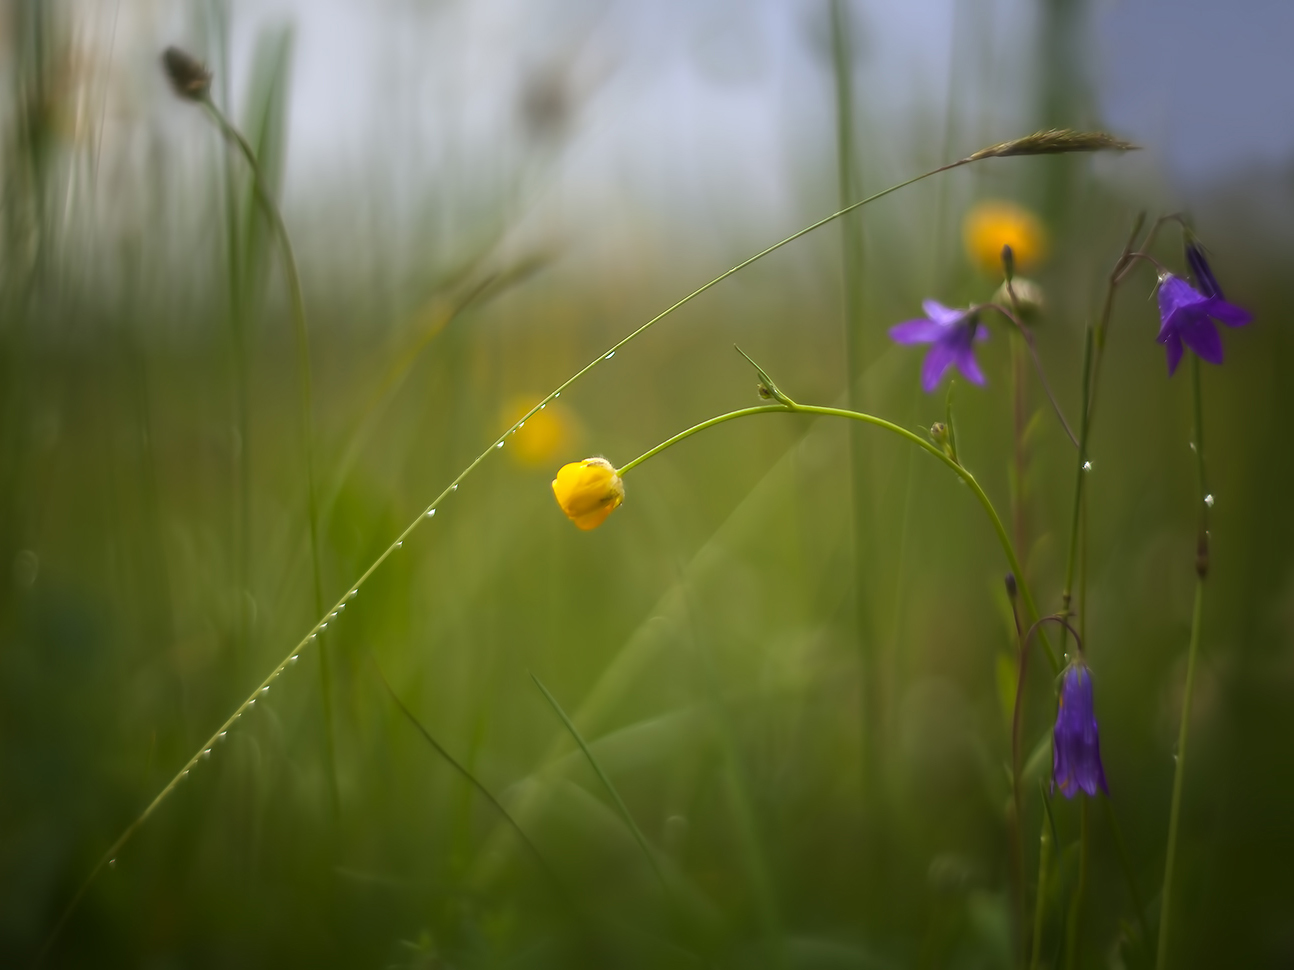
191	80
615	795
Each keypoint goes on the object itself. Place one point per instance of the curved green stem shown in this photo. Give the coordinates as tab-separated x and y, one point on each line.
792	408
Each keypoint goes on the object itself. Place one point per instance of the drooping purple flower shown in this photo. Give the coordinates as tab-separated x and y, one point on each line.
1186	316
1075	746
952	334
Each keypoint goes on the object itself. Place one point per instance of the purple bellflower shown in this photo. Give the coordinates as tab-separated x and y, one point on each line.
1075	746
952	334
1187	314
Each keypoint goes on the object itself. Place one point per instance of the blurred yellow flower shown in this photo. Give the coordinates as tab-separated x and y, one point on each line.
588	491
995	223
545	435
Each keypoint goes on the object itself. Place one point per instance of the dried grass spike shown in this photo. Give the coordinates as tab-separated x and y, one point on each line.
1055	141
189	77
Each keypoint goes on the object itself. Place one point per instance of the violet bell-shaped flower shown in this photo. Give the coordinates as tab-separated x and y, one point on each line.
1186	314
1075	745
952	334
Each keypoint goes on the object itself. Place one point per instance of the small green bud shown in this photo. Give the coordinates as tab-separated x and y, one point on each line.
1024	296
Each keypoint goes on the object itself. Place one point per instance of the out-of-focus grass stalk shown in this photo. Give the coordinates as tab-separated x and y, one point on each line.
1045	839
1192	655
1019	463
1121	849
1039	143
851	239
1076	903
472	780
306	405
611	789
743	806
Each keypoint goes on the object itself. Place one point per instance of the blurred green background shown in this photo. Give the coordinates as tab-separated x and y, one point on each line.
474	240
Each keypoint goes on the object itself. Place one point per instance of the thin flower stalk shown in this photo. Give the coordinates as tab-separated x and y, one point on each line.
1192	655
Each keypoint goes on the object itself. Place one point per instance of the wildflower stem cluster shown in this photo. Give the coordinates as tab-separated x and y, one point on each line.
191	81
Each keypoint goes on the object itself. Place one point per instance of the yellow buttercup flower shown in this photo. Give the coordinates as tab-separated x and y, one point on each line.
588	491
545	434
995	223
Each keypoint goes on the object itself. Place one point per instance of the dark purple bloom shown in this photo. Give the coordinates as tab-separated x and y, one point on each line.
1186	315
952	332
1075	747
1201	272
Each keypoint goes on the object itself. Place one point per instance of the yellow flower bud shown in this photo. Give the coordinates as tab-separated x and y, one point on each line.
992	224
588	491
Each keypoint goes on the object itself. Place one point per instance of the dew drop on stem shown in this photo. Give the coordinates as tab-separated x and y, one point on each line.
1208	500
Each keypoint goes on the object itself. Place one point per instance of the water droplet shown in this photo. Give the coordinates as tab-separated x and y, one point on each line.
1087	466
112	863
609	356
1208	500
352	594
431	513
521	425
294	658
324	625
400	544
557	395
207	753
1192	446
265	689
542	406
184	773
251	702
499	445
223	733
313	636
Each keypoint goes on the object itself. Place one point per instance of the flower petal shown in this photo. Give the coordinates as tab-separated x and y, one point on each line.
1176	294
1229	313
968	365
939	359
916	332
940	314
1201	336
1173	344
